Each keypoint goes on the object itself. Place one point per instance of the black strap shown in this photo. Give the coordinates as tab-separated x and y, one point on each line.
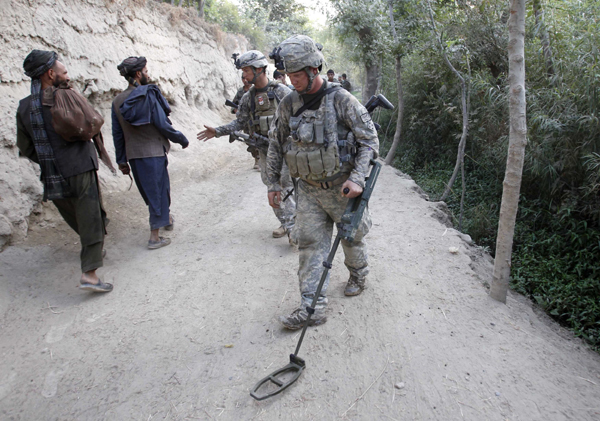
252	104
315	100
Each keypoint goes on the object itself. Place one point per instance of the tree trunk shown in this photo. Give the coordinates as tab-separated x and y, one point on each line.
465	110
544	37
516	151
371	77
398	134
201	8
172	2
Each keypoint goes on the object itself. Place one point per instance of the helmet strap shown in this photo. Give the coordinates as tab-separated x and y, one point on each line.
255	76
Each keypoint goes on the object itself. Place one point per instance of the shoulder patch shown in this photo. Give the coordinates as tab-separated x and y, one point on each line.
365	117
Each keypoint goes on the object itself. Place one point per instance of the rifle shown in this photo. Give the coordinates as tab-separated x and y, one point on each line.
231	104
346	230
254	139
378	101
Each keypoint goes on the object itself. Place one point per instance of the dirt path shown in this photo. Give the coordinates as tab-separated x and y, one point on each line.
191	327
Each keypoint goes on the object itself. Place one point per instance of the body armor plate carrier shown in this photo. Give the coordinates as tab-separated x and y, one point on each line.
319	145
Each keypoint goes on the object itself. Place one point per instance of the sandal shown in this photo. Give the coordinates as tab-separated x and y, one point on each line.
162	242
99	287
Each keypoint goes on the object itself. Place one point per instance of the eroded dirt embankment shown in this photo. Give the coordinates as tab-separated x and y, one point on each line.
187	58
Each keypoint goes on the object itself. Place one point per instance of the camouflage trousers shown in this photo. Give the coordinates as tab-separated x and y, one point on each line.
287	211
316	212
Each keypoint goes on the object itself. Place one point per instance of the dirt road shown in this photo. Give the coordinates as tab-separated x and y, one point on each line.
190	328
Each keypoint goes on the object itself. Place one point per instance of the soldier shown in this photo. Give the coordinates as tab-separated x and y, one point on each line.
280	77
236	100
255	113
327	139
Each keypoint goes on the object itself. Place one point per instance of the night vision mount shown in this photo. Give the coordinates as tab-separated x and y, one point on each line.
276	57
236	62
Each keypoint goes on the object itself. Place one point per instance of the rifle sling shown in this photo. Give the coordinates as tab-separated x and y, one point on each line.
316	99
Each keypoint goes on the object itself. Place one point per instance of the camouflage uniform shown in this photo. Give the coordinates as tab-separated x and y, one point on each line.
347	128
238	95
256	119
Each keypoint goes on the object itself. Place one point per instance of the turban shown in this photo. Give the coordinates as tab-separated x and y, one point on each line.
130	65
39	62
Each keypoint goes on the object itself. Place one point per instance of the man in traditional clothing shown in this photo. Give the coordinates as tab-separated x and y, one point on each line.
346	83
141	133
330	76
255	114
68	168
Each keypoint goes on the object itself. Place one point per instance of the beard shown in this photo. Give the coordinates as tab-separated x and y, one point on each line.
144	80
61	83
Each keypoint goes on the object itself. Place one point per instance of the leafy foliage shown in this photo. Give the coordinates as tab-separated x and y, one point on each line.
556	247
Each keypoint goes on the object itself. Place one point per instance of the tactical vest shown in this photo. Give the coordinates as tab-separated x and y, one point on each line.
319	148
263	105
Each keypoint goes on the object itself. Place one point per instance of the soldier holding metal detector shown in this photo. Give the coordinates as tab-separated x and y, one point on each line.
328	141
255	113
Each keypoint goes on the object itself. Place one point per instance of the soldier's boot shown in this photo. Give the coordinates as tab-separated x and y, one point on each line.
355	286
296	319
292	239
280	232
256	167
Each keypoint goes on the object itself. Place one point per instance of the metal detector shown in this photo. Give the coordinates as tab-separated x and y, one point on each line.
286	376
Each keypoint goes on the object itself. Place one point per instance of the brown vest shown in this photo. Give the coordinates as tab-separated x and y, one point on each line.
140	141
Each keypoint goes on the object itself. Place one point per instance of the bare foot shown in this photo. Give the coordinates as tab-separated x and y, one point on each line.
89	277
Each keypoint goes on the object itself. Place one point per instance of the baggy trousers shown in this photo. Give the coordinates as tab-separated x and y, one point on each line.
85	215
286	213
317	210
152	180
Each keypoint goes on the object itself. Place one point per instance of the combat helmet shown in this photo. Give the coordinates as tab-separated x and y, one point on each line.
254	59
298	53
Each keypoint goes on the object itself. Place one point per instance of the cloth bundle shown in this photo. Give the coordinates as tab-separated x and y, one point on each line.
73	117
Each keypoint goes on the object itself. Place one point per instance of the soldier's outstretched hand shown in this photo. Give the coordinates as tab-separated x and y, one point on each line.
274	199
353	189
209	133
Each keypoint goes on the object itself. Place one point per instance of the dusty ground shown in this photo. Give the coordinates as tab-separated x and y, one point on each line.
190	328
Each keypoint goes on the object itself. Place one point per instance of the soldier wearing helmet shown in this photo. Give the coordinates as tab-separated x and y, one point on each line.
327	139
255	113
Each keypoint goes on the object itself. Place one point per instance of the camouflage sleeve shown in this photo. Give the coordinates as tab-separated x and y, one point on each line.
238	96
280	130
281	91
241	121
355	116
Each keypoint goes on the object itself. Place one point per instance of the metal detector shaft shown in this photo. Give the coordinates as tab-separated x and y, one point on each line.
346	229
327	265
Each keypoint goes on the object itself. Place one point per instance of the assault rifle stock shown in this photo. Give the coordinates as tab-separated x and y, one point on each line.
254	139
231	104
378	101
